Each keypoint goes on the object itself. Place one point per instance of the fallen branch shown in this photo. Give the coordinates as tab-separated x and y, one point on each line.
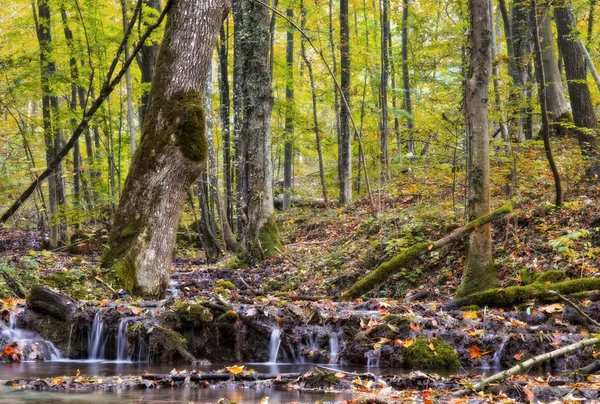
521	367
354	374
402	260
576	307
14	285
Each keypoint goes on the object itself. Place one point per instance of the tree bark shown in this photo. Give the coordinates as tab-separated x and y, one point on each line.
406	80
579	93
480	272
336	93
59	232
289	115
383	92
225	113
344	141
556	100
171	154
543	97
252	88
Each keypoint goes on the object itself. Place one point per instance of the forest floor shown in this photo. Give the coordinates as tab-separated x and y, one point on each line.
328	249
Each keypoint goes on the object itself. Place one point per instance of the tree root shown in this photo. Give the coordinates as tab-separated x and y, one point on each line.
404	259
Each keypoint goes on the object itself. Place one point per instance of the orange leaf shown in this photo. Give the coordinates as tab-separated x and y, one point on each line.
430	247
476	227
470	314
518	356
475	352
414	327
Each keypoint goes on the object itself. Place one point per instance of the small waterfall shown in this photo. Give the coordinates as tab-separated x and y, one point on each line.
173	289
122	343
498	353
274	344
334	347
32	345
97	337
373	358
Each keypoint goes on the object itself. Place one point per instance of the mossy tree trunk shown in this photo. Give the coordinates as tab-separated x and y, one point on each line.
254	101
480	273
171	152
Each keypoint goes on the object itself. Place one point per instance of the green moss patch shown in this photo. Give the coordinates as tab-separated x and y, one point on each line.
187	117
268	237
421	356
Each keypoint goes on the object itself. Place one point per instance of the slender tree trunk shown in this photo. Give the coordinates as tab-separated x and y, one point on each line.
128	86
253	86
52	136
496	81
480	272
406	78
171	153
522	48
289	115
579	92
336	94
384	135
146	61
394	100
225	113
314	105
345	143
542	91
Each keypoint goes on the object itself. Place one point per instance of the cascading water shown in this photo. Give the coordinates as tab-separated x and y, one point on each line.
274	344
122	343
97	337
334	347
498	354
31	344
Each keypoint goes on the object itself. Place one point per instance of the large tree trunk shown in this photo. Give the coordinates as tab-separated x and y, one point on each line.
480	273
344	141
289	115
556	101
579	92
253	103
171	152
59	233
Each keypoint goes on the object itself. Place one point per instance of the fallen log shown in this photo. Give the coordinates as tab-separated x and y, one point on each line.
523	366
14	285
44	300
220	376
506	297
402	260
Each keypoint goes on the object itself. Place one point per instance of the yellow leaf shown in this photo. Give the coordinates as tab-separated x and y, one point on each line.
236	370
431	346
136	310
264	400
475	332
380	343
56	380
409	343
31	252
470	314
552	308
46	253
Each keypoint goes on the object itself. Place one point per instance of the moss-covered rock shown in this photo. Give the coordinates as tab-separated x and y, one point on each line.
192	314
223	284
165	345
321	380
394	326
421	356
229	316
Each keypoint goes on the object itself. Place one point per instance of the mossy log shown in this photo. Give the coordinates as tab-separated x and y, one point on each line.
402	260
44	300
14	285
504	297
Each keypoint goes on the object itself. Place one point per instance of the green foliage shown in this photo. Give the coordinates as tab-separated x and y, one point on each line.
564	244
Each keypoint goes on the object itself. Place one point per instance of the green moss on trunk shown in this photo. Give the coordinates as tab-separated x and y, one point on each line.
268	237
477	277
186	114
